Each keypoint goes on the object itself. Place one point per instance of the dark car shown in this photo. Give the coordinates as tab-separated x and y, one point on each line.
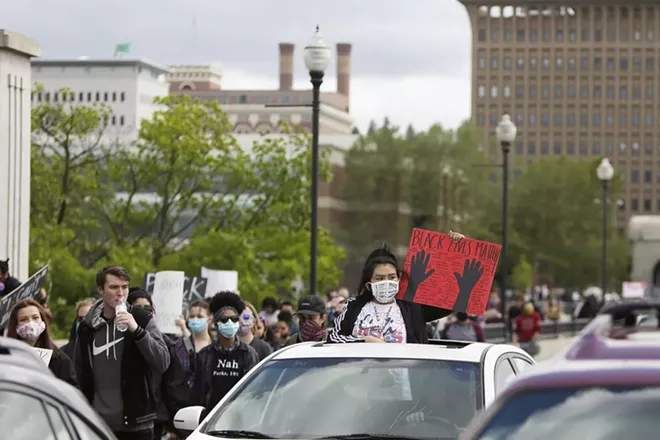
34	404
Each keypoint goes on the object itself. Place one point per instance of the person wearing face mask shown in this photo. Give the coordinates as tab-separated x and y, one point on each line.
7	283
312	315
170	388
527	329
82	308
27	322
193	341
375	315
246	332
222	364
463	329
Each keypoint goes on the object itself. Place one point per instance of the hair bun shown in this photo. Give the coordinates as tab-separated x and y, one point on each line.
382	251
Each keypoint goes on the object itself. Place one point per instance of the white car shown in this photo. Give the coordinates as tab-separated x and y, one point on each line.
316	390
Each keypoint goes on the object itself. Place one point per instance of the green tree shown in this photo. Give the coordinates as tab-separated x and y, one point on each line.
556	216
522	274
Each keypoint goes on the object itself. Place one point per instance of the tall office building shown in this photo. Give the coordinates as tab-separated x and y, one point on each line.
579	79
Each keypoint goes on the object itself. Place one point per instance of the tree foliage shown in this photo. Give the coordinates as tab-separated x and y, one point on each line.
183	194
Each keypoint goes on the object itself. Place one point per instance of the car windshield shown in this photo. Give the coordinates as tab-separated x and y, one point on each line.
312	398
578	414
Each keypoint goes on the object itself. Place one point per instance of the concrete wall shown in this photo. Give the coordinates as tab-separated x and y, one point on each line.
15	91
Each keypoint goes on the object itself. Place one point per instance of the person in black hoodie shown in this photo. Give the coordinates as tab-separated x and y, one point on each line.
28	323
118	353
171	388
222	364
82	308
7	283
375	315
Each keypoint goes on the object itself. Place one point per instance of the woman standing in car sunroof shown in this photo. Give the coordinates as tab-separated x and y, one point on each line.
375	315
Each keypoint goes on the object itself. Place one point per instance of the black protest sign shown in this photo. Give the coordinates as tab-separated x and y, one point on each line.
29	289
194	288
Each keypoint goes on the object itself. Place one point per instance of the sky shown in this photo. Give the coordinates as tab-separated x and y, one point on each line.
411	59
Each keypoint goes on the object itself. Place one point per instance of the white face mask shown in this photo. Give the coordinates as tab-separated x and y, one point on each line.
385	291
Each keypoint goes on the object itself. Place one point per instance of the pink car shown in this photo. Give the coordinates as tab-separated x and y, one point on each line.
607	383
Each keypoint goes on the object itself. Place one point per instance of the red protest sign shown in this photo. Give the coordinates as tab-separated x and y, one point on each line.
454	276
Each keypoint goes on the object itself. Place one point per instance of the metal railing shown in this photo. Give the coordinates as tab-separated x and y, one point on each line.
498	333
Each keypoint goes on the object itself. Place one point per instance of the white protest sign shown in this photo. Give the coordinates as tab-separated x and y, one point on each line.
167	299
633	289
44	354
219	280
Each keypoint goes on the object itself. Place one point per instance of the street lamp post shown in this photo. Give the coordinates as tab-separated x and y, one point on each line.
605	172
506	133
317	57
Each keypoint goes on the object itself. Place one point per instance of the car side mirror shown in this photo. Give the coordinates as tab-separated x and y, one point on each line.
187	419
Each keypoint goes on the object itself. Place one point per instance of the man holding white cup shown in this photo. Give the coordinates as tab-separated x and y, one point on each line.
118	351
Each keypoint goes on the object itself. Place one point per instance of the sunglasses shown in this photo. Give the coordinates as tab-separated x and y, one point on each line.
224	319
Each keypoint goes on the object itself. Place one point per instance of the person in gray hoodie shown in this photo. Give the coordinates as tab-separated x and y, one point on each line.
117	354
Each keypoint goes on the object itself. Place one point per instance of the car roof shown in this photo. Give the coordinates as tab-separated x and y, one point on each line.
435	350
587	373
22	367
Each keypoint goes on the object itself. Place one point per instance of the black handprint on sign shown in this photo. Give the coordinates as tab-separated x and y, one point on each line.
418	274
472	272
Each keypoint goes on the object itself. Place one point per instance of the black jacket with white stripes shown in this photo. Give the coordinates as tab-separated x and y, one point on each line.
414	315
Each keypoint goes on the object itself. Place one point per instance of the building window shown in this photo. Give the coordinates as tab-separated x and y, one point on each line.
495	35
507	63
623	119
507	91
519	120
570	147
532	63
560	35
521	35
637	35
81	97
493	119
571	120
482	34
532	91
98	96
546	35
571	63
481	121
637	92
637	64
598	35
559	91
597	91
545	92
648	119
89	96
56	96
114	96
520	62
121	120
623	92
531	147
532	35
493	92
482	63
532	119
584	61
611	65
648	147
609	118
648	176
546	62
584	119
611	35
647	205
545	119
571	91
519	147
585	34
635	147
635	118
649	64
622	147
520	91
623	35
560	63
558	119
596	147
493	64
623	64
596	119
649	35
584	150
481	91
545	148
122	96
598	63
610	92
557	147
572	35
634	176
634	205
649	92
507	34
609	148
105	97
114	120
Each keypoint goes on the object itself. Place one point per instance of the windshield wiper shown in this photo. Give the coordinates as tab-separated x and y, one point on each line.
371	437
237	433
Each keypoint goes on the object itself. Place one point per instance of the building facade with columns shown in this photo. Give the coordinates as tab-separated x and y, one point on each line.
259	111
15	88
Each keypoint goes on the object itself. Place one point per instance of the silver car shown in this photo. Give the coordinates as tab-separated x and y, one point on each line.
34	404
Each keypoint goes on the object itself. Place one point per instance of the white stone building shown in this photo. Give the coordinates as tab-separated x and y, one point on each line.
127	86
15	53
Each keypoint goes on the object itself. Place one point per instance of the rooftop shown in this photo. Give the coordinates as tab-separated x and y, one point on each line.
110	62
